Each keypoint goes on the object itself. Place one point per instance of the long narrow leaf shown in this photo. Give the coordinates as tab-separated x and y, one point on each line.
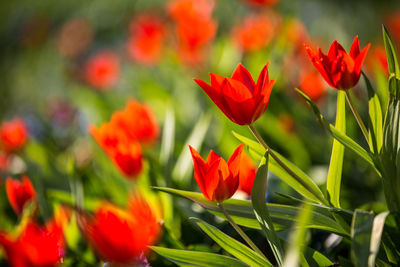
334	179
242	213
390	53
258	194
276	169
376	236
232	246
197	258
338	135
361	237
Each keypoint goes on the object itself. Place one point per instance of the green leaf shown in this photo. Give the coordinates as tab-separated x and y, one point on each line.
311	258
360	237
390	53
196	258
310	191
338	135
334	179
232	246
242	212
297	238
168	140
376	236
183	165
375	118
258	201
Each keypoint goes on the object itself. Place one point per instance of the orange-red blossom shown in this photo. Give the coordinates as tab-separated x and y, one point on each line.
218	180
340	69
241	99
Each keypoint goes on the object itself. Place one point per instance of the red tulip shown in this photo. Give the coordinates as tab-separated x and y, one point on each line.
124	152
194	27
121	236
339	69
39	246
19	194
241	99
102	70
147	37
13	135
138	121
247	174
218	180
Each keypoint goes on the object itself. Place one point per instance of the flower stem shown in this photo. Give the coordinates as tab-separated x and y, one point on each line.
357	116
283	165
239	230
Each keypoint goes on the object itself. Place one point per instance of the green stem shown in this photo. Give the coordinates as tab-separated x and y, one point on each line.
239	230
357	116
283	165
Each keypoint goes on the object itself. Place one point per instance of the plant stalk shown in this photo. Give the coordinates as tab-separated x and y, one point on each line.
239	230
282	164
357	116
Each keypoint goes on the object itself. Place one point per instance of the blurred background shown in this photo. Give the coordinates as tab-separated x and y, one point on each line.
65	65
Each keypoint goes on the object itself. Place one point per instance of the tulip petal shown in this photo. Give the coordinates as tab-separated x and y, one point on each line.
212	156
234	160
262	81
355	48
200	171
236	91
242	75
359	60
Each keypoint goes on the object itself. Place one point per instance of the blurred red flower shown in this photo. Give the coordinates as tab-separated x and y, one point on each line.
312	84
39	246
75	37
241	99
125	153
13	135
147	39
217	179
194	27
262	2
247	174
377	59
102	70
138	121
254	32
122	236
4	162
19	193
339	69
393	25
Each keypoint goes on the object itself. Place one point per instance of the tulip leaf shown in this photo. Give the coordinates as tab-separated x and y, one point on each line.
334	178
338	135
314	194
258	194
232	246
196	258
375	118
360	237
390	53
376	236
242	212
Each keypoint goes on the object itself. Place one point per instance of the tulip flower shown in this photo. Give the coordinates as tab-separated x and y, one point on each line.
218	180
241	99
247	174
339	69
147	38
19	194
122	236
254	32
36	245
138	121
102	70
13	135
125	153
